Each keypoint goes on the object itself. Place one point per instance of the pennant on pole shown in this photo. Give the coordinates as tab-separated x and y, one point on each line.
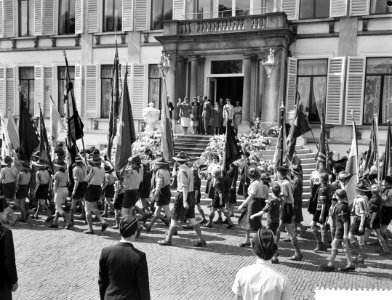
167	145
113	116
44	147
126	130
28	136
352	167
11	134
54	124
280	155
371	154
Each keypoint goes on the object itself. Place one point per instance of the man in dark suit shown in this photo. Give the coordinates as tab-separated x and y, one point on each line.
123	271
8	274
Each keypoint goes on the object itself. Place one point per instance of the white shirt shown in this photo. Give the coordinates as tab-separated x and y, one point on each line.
261	282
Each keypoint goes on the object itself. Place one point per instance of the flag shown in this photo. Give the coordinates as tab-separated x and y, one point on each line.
299	126
126	131
232	148
74	122
44	147
322	154
113	116
387	167
11	134
280	155
167	145
28	136
352	167
371	154
54	124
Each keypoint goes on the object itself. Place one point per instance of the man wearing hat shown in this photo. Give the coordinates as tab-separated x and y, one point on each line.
123	270
22	189
184	203
360	210
41	190
8	176
287	216
79	188
95	179
261	281
161	194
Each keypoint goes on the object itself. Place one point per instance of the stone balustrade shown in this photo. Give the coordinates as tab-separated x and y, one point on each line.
271	21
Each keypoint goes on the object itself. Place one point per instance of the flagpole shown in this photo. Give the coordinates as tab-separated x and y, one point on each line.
378	149
57	111
282	119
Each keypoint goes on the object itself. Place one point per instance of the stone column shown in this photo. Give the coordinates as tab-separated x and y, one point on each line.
270	101
171	79
246	94
194	76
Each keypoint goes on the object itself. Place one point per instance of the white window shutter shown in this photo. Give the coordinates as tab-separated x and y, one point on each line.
140	15
91	95
359	7
291	89
138	94
92	16
127	15
78	16
48	90
355	86
290	7
38	7
178	9
48	19
11	90
335	90
8	17
78	90
338	8
3	86
1	19
38	88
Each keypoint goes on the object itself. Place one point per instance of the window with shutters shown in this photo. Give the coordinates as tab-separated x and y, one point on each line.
26	85
378	90
379	7
161	10
314	9
112	15
312	86
106	89
66	17
62	81
26	17
154	85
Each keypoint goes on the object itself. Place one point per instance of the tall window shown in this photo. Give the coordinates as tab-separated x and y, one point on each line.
204	9
378	90
312	86
62	80
26	17
225	8
106	89
242	7
26	82
379	7
154	85
161	10
314	9
66	17
112	15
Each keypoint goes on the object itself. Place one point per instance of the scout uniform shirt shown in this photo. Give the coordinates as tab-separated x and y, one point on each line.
132	179
162	178
341	214
287	191
96	176
185	179
79	173
8	174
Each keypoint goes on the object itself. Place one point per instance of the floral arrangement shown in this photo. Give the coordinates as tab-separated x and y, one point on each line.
264	128
144	141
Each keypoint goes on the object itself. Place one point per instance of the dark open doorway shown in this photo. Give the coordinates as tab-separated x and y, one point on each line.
226	87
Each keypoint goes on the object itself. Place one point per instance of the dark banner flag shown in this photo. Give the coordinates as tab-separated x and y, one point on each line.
232	148
299	126
28	136
126	130
371	154
167	144
352	167
113	116
387	167
74	122
44	148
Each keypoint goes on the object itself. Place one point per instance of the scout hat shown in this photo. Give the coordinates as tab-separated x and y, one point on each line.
7	160
78	160
108	168
361	186
284	170
254	173
161	162
96	160
59	162
25	165
343	176
40	163
265	177
135	160
181	157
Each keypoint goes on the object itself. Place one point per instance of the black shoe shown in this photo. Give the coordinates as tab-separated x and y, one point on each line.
244	245
104	226
48	219
226	221
219	221
200	244
54	225
230	226
347	269
165	243
286	240
187	227
326	268
320	248
275	261
296	257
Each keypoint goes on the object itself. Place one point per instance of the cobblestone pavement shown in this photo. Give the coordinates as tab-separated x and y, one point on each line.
62	264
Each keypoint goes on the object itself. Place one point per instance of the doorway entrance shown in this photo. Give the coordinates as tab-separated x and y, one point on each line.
226	87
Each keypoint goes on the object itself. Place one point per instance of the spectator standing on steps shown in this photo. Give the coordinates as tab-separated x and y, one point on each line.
8	273
208	113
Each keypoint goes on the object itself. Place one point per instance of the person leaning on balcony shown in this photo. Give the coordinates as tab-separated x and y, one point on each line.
185	112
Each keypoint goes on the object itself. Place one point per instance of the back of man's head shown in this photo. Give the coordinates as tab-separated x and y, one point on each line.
264	245
128	226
